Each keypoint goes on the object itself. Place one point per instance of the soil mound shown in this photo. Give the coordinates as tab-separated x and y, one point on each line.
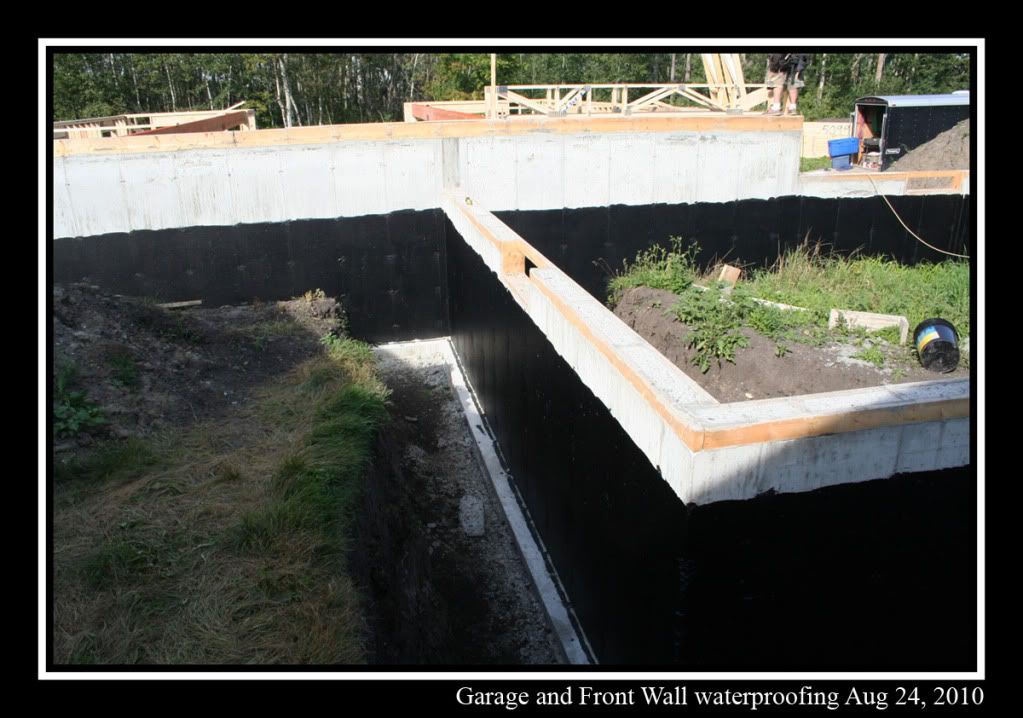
758	371
948	151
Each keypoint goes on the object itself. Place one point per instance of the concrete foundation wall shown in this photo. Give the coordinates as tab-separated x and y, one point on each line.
706	451
860	576
389	271
554	171
589	243
97	193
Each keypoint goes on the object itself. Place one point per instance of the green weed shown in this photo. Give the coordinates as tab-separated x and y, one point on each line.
714	325
72	410
658	267
124	371
871	354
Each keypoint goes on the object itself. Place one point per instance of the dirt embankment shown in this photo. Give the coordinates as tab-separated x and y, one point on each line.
158	525
151	368
948	151
758	371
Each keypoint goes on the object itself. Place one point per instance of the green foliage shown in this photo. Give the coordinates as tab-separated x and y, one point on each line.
113	459
871	354
315	490
658	267
124	371
809	164
133	552
72	411
714	326
809	277
331	88
805	277
346	348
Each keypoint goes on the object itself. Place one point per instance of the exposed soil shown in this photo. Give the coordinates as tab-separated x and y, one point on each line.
437	595
452	598
948	151
151	368
758	373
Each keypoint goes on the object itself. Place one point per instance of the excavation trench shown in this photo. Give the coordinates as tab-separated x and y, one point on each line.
446	578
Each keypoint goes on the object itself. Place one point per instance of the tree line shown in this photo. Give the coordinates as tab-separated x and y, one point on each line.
295	88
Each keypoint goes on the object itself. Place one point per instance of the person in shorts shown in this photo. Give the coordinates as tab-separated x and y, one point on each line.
785	70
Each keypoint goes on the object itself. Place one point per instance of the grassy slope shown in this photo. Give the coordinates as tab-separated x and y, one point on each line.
225	543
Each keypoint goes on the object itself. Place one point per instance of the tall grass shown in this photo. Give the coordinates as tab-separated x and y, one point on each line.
659	267
226	542
809	277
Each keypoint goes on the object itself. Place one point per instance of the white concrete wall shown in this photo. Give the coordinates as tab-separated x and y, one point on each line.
98	194
591	170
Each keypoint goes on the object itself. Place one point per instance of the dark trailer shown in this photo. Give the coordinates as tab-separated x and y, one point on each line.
891	125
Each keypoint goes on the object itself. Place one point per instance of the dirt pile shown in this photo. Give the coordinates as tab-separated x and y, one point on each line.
758	371
948	151
152	368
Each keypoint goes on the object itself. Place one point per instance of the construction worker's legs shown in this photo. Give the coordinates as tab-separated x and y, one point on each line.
794	82
776	82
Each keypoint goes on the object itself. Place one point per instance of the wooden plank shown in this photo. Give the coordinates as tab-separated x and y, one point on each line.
222	122
653	96
735	68
752	99
181	305
421	111
871	321
641	122
527	102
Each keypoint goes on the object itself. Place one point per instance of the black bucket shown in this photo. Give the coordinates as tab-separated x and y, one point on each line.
937	345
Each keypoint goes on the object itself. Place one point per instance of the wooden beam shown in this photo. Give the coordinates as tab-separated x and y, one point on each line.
385	131
527	102
226	121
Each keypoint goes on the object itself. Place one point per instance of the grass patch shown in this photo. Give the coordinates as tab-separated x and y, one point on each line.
871	354
225	542
114	459
672	269
809	164
809	277
315	489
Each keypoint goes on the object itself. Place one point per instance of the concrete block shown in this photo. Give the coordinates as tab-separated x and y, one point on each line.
471	515
410	177
869	321
151	191
257	186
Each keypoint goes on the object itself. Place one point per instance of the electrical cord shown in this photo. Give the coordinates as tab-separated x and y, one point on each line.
918	237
